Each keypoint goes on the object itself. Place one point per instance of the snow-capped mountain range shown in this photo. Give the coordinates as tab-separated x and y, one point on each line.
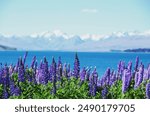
60	41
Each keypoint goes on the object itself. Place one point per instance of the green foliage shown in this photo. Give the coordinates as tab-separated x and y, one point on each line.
115	91
34	91
72	89
14	77
139	93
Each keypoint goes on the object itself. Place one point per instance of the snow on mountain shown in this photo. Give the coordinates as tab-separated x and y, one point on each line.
58	40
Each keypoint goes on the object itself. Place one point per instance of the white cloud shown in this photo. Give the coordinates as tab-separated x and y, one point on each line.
89	10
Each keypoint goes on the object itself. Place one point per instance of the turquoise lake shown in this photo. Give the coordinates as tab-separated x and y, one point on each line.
102	60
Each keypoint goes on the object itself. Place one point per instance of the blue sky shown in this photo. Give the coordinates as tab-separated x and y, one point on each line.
24	17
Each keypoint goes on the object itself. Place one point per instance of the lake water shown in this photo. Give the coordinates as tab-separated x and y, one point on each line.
101	60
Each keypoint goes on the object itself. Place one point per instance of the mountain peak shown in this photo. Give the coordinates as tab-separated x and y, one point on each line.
62	41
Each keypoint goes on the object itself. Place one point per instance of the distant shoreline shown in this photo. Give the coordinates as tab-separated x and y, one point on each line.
138	50
6	48
143	50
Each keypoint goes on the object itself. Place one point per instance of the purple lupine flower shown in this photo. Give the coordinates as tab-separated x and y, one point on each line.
41	64
136	79
112	72
5	81
16	67
21	72
59	62
12	87
41	76
45	69
5	76
82	74
65	73
54	75
76	69
103	81
122	68
11	70
113	78
145	75
95	76
70	74
59	69
119	69
68	68
45	64
34	73
59	72
141	72
17	91
94	89
93	83
20	61
37	76
42	73
136	63
5	94
50	74
104	93
129	77
25	57
148	71
107	76
99	83
129	66
87	76
33	62
148	90
69	71
126	80
104	77
1	73
14	90
36	64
